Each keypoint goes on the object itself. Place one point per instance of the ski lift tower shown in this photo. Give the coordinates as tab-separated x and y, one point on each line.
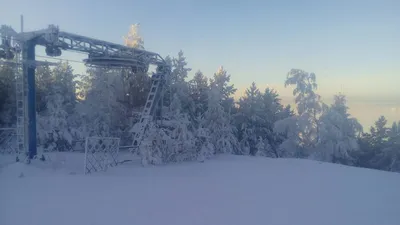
100	54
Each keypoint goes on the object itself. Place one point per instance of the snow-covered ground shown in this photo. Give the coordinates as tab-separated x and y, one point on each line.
227	190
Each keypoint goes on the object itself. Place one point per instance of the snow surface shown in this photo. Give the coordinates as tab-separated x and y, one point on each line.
227	190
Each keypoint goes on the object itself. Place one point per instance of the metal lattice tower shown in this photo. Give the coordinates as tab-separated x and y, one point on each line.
10	50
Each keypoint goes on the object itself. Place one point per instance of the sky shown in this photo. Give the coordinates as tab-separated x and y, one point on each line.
352	46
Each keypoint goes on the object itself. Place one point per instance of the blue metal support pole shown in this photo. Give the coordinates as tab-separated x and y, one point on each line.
30	56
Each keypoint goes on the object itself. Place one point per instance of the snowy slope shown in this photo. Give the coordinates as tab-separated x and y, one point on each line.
228	190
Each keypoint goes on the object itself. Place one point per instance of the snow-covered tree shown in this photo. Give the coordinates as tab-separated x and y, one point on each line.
203	142
390	156
136	87
382	148
102	113
221	80
308	111
308	104
199	89
174	141
54	132
44	80
273	111
55	126
372	146
250	120
338	133
133	39
177	85
183	146
265	149
288	130
380	132
64	79
155	145
217	121
180	70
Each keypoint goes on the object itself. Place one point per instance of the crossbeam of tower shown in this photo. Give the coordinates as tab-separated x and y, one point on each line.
100	54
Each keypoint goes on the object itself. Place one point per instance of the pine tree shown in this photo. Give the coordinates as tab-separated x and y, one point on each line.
376	150
380	132
273	111
249	119
177	84
386	141
55	130
44	80
133	39
392	151
221	80
153	147
203	143
199	89
216	120
136	88
180	70
183	146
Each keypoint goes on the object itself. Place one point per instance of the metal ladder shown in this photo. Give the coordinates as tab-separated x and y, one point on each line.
20	103
157	83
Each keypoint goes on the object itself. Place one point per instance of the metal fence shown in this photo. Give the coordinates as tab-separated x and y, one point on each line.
8	141
100	153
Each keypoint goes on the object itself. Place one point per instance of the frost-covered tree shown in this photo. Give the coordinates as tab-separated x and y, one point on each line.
263	148
179	69
177	85
217	121
308	104
54	132
305	135
155	145
136	87
255	118
64	79
380	148
199	89
101	112
56	129
250	120
290	145
338	133
390	156
273	112
380	132
203	143
221	80
44	80
372	144
133	39
174	141
183	146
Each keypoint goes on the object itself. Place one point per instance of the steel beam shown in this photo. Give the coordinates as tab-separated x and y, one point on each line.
29	55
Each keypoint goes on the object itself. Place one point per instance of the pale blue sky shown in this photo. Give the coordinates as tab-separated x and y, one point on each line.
353	45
